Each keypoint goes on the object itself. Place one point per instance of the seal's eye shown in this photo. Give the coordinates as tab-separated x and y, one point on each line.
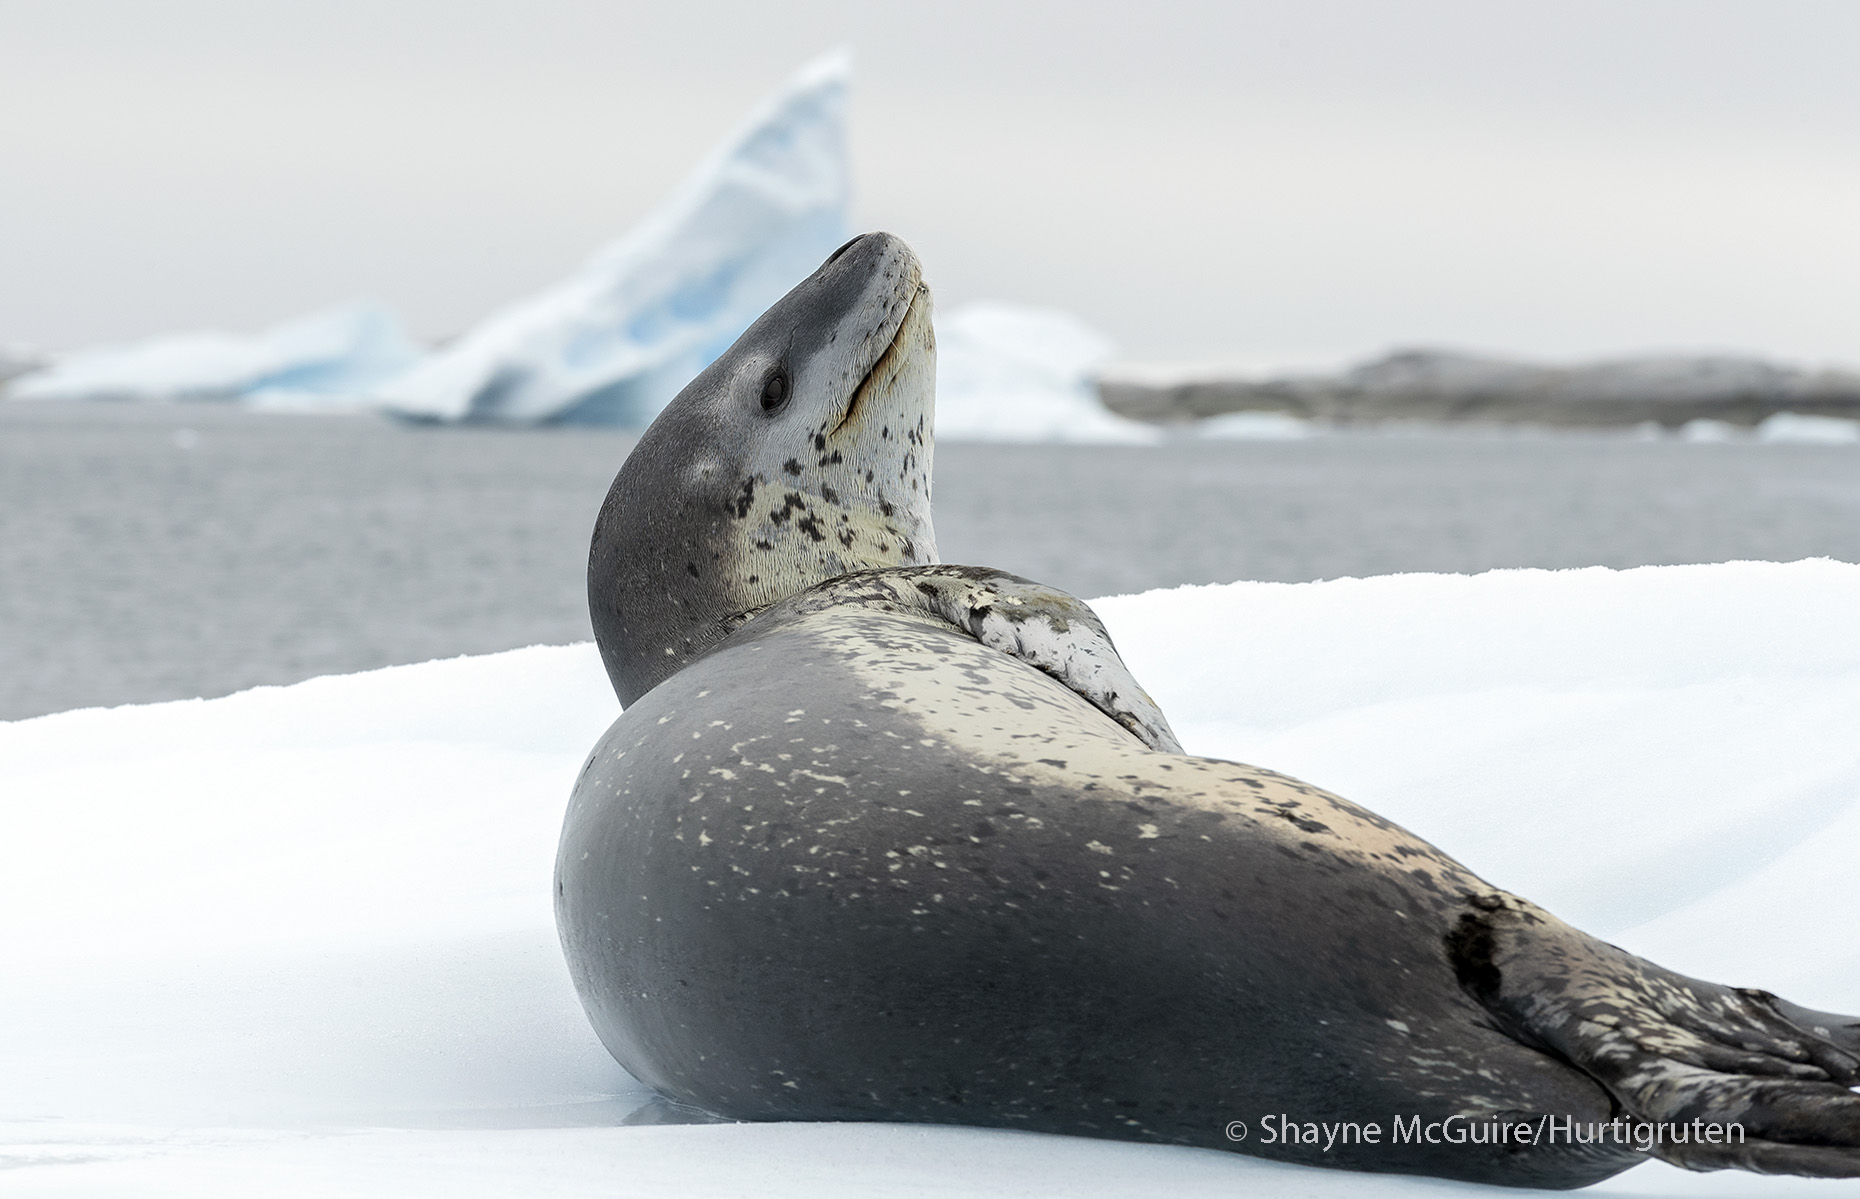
775	392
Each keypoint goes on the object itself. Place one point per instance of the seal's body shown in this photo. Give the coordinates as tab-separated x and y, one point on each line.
906	842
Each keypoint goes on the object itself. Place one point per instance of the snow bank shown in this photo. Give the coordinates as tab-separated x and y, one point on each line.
336	354
1010	373
615	342
298	940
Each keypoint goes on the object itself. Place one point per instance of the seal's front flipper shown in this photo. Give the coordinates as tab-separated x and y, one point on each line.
1048	629
1673	1051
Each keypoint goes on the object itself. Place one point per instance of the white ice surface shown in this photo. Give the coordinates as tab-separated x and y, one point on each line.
1011	373
613	343
298	941
1254	426
335	354
1795	426
1781	427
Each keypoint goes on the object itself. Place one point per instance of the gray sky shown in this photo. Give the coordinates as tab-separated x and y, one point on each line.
1240	182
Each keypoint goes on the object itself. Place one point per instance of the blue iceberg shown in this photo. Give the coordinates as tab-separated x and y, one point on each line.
1007	372
615	342
339	353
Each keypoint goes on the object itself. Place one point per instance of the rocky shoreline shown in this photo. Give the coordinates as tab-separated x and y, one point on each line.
1435	385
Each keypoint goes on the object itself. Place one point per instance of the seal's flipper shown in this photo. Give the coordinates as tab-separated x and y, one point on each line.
1049	629
1671	1050
1843	1031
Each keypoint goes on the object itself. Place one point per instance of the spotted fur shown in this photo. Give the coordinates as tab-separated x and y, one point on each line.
1051	631
877	838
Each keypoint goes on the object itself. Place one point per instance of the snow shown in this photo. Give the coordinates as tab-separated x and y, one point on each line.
613	343
299	940
334	354
1006	372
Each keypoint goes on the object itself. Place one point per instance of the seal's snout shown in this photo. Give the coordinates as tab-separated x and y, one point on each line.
835	256
873	278
869	250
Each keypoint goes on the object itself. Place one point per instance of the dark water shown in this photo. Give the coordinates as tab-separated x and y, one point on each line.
161	552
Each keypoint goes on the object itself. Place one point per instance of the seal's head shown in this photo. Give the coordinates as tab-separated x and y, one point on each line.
801	454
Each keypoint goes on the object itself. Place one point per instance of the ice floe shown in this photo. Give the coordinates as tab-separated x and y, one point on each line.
298	940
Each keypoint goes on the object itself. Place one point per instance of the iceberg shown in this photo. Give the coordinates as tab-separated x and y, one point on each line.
334	354
613	343
305	933
1011	373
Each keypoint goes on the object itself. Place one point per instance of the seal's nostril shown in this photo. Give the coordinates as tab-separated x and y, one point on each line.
835	256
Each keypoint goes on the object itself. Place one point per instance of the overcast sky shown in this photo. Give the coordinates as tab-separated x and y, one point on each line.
1241	182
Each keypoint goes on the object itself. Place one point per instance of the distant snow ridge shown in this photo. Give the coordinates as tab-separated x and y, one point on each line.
337	353
613	343
1670	391
1011	373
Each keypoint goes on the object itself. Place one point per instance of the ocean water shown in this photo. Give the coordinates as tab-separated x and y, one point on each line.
164	552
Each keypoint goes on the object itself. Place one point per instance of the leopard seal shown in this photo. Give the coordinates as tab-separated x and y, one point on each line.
879	838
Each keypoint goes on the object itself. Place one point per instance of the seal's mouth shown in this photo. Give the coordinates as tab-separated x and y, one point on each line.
886	359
